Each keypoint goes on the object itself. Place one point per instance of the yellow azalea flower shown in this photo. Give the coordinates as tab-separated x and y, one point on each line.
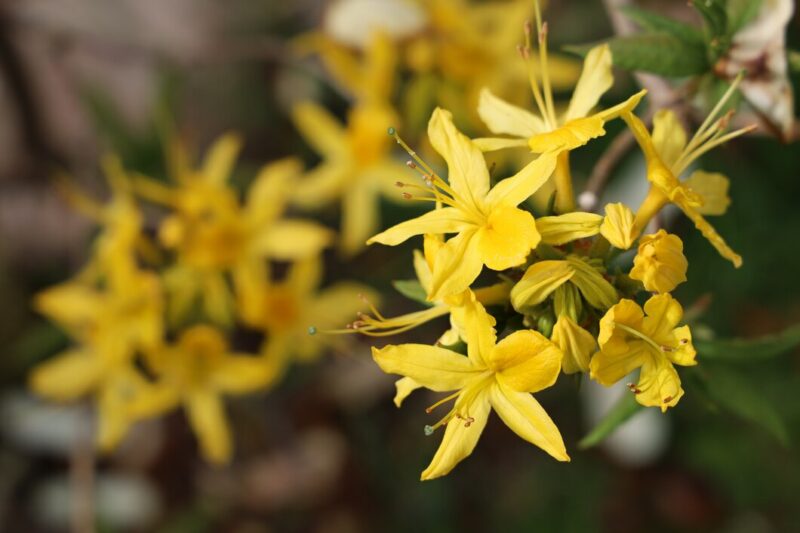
213	234
544	277
356	166
576	343
290	310
668	156
561	229
195	372
659	263
548	132
629	340
491	229
618	226
494	375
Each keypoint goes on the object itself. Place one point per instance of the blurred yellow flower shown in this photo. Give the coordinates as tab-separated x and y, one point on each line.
659	263
629	340
491	229
494	375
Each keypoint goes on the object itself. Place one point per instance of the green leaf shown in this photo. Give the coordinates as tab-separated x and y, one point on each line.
411	289
794	60
749	350
740	396
656	23
714	15
740	13
623	410
659	53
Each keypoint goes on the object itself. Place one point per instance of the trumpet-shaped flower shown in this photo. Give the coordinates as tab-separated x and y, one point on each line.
668	156
494	375
650	340
491	230
659	263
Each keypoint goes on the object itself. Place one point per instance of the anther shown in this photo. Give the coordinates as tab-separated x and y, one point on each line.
684	341
543	33
399	184
428	430
411	164
668	399
527	27
523	51
407	196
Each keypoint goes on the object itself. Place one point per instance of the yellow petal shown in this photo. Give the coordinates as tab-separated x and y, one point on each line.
210	424
404	386
287	240
457	265
460	436
72	305
67	376
711	235
434	368
571	135
379	69
626	312
538	282
663	315
320	129
595	80
478	326
623	107
683	352
503	118
669	137
521	186
597	290
713	188
507	239
659	384
526	417
561	229
359	216
218	164
423	271
659	263
526	361
618	226
492	144
269	191
241	374
322	185
467	172
576	343
445	220
607	368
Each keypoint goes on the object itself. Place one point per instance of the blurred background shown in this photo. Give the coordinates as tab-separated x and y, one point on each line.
326	450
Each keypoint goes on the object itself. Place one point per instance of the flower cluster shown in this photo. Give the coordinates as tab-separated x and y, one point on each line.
154	319
566	296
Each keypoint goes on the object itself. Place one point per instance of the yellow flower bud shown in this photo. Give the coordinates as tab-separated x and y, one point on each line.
577	344
659	262
618	227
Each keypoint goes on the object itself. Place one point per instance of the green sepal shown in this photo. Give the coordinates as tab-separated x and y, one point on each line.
412	289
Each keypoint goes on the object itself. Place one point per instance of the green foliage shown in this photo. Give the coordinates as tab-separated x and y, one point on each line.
749	350
740	13
623	410
714	15
659	53
656	23
411	289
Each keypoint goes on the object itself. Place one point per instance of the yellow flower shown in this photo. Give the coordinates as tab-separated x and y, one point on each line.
497	376
195	372
548	132
618	226
213	234
668	156
491	230
629	340
356	166
576	343
561	229
659	262
285	310
544	277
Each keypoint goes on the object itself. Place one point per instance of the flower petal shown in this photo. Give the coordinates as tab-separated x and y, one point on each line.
576	343
445	220
218	164
457	265
503	118
607	367
467	172
669	137
404	386
321	185
538	282
597	290
571	135
287	240
210	424
508	237
522	185
360	216
267	195
526	361
479	329
525	416
713	188
618	226
595	80
659	384
561	229
434	368
321	130
67	376
492	144
711	235
460	436
241	374
663	315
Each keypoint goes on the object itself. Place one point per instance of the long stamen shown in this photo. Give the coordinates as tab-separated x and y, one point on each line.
525	52
547	88
716	141
430	409
714	112
639	335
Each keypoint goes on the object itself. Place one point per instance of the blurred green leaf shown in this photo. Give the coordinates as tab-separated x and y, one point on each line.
794	60
740	13
734	392
411	289
656	23
714	15
749	350
659	53
623	410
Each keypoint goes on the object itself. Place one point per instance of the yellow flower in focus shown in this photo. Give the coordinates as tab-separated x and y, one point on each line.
213	234
561	229
629	340
618	226
491	229
195	372
659	263
494	375
285	310
668	156
356	166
